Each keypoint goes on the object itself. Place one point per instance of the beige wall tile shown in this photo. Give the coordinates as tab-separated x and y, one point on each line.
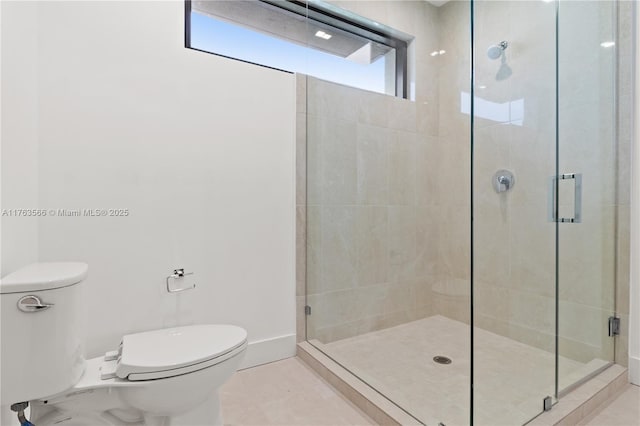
373	164
372	241
625	129
427	161
373	109
587	325
326	99
301	250
427	237
532	311
402	114
313	249
301	159
454	241
339	248
340	160
623	259
301	93
622	342
587	266
301	334
402	242
402	168
428	111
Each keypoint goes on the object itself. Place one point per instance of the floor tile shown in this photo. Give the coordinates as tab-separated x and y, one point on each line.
286	392
623	411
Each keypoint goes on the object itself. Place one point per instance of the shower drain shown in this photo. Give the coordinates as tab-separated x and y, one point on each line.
442	359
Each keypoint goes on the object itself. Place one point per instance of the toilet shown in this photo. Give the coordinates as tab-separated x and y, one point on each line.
166	377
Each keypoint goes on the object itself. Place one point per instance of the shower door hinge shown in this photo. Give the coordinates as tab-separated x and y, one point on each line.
307	310
547	403
614	326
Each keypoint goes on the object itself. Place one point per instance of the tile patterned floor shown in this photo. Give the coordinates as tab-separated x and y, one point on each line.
623	411
511	378
285	393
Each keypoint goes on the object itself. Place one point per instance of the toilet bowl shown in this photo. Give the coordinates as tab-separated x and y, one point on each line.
167	377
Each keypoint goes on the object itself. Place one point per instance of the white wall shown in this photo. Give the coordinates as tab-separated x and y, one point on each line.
19	134
199	148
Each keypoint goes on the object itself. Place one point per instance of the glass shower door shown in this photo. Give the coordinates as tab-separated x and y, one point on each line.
514	239
544	202
587	195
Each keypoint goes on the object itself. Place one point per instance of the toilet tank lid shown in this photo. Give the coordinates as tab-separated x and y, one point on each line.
44	276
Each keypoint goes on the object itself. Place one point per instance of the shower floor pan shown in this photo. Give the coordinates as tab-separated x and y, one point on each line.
511	378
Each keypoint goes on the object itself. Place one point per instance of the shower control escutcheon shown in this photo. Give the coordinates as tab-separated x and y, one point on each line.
503	180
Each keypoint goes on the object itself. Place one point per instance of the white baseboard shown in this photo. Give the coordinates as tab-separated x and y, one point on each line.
634	370
269	350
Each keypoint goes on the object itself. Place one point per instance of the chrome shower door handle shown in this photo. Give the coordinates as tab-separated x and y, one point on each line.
577	198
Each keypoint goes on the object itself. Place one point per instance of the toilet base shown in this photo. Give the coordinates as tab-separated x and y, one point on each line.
208	413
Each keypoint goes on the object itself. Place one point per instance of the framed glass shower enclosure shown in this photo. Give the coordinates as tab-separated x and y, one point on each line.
461	242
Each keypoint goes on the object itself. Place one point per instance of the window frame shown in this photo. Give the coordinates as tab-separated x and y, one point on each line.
332	17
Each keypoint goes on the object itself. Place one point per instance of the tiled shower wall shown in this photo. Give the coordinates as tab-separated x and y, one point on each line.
373	240
370	244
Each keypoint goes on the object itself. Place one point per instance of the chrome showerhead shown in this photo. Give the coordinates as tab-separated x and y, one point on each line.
497	50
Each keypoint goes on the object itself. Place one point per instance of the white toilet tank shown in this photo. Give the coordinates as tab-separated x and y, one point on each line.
41	330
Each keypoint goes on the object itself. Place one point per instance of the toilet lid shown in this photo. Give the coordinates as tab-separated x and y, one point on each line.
174	348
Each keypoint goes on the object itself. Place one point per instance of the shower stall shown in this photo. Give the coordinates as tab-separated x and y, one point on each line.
464	230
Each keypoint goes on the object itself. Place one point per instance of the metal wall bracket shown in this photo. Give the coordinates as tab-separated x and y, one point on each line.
307	310
177	275
614	326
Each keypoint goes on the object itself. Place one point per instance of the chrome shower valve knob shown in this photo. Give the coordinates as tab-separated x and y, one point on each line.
503	181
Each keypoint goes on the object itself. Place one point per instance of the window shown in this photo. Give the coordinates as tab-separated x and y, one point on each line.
313	38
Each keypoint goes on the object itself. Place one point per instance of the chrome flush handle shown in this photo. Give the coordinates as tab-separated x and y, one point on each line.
32	304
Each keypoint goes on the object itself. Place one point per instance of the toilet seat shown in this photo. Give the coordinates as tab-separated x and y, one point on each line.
175	351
